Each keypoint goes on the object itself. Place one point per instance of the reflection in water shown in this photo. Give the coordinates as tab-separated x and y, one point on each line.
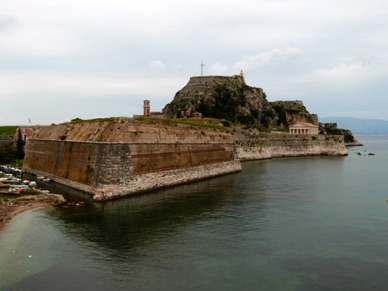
283	224
124	224
69	194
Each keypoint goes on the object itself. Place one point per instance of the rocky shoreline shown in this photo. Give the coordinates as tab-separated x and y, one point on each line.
355	143
14	206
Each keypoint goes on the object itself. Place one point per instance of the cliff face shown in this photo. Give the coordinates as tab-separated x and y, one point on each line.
230	98
331	128
292	112
220	97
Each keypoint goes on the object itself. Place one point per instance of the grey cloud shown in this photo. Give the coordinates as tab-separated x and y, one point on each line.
7	22
270	57
334	54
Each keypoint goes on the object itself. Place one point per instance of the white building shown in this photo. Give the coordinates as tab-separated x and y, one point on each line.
303	128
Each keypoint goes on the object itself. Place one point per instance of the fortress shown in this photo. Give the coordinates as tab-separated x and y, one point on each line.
110	159
118	157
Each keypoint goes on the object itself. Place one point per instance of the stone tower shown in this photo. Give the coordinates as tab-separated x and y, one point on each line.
147	108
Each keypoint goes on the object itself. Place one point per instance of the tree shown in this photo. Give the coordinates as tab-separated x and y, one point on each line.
20	146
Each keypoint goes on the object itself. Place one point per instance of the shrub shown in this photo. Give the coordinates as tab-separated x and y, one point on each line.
7	153
246	119
205	109
226	123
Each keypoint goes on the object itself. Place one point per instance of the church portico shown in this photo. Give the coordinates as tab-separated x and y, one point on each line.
303	128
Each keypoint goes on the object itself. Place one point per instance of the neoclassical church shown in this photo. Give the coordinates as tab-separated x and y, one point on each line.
303	128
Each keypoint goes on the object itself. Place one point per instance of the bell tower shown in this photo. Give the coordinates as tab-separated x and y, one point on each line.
146	107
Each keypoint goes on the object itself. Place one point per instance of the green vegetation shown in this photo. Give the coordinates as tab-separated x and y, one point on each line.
6	197
281	112
193	121
206	109
255	113
79	120
8	130
226	123
226	105
230	99
246	119
348	136
181	104
7	153
20	143
11	151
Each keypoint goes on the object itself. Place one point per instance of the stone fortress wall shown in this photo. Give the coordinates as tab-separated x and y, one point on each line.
267	146
110	159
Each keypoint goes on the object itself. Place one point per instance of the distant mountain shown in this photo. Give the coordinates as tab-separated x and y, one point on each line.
360	126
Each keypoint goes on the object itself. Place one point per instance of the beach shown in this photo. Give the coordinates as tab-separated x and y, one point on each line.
14	206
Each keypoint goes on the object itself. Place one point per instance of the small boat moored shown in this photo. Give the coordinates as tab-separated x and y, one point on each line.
32	184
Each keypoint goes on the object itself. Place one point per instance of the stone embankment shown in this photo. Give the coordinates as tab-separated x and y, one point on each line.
266	146
159	180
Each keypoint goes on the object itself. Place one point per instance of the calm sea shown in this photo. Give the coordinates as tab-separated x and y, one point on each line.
284	224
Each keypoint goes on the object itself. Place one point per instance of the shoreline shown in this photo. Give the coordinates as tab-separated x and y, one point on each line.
15	206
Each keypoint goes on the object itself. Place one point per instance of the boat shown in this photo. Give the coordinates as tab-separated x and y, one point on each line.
2	185
47	180
17	188
5	179
32	184
10	180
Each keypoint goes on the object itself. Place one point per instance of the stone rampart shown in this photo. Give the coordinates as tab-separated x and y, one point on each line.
111	159
266	146
108	159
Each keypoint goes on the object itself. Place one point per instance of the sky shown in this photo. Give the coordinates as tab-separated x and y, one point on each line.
67	59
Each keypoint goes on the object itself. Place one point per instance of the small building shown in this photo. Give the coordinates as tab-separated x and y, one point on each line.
146	108
26	132
303	128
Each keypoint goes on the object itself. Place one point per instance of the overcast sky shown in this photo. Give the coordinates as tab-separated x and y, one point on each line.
62	59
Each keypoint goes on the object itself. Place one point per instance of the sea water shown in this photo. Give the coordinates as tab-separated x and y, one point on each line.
318	223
